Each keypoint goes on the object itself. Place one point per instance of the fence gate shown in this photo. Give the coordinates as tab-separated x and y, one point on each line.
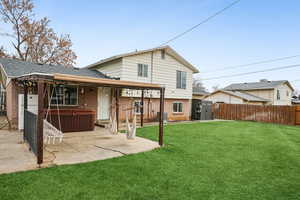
201	110
30	131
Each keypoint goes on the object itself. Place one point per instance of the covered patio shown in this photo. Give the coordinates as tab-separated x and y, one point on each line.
88	145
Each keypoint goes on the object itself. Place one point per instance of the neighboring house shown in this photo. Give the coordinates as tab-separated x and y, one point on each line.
270	93
296	101
70	96
276	92
235	97
160	65
199	93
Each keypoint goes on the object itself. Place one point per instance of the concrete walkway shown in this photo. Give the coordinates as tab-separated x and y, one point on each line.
14	154
76	148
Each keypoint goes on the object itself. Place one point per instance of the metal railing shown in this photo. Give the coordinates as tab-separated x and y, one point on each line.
30	130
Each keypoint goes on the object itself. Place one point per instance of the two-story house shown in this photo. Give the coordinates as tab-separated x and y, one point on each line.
263	92
160	65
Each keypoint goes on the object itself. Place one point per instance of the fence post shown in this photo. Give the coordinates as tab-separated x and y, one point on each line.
142	109
161	116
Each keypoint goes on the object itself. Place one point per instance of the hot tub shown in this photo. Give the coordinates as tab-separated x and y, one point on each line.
72	120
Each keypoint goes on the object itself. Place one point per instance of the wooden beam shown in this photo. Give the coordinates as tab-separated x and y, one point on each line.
40	117
105	81
161	116
117	106
142	109
25	107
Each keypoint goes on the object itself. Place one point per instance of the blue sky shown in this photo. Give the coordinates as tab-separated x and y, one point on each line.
252	30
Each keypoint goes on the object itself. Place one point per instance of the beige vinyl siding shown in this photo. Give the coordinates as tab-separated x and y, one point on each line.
224	97
284	99
112	69
130	67
163	72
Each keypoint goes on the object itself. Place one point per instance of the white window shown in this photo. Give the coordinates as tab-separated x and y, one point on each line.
163	54
278	95
142	70
287	93
177	107
180	79
137	107
64	95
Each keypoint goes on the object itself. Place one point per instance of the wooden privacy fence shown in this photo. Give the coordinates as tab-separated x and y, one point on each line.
297	120
289	115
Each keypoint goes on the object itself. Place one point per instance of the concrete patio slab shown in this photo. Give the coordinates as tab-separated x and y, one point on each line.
14	154
76	147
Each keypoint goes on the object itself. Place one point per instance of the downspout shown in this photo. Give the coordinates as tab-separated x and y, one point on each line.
151	66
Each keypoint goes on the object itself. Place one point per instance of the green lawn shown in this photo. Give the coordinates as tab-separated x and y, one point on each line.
220	160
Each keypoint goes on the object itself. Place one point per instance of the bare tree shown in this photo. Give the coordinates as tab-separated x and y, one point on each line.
197	83
296	94
215	88
32	39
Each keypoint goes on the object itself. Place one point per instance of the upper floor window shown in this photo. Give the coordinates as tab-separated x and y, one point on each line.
142	70
181	79
177	107
278	95
64	95
287	93
163	54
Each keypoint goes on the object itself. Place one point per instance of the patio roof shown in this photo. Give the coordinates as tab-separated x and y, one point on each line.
101	82
107	82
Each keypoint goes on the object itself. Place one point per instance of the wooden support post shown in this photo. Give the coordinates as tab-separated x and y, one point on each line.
161	116
142	109
117	106
40	117
25	108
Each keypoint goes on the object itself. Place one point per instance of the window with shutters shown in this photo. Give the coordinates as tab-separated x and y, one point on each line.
142	70
180	80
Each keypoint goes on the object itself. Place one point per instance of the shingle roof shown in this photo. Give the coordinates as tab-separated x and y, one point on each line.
16	68
255	85
245	96
199	91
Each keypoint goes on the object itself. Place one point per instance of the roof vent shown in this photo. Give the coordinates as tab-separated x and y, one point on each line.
263	80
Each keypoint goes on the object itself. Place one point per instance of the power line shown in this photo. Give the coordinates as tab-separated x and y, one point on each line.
202	22
253	72
295	80
253	63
